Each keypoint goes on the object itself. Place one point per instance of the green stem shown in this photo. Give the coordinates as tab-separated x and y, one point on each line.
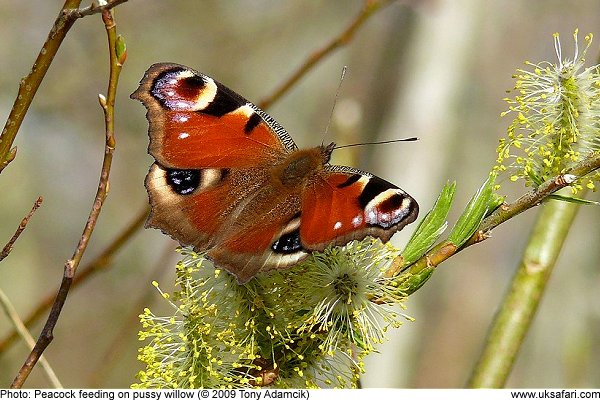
520	304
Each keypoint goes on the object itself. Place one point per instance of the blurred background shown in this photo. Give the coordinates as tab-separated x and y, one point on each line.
433	69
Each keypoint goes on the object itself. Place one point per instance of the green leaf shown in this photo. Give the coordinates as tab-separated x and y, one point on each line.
537	180
431	227
474	213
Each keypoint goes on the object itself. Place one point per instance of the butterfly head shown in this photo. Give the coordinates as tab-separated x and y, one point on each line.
326	151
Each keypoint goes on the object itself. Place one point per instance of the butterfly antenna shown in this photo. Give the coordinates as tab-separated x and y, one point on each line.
410	139
335	99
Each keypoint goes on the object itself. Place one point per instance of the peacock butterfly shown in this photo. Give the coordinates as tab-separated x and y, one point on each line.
229	180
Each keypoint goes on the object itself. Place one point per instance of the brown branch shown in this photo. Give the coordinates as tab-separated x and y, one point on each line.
29	85
95	9
99	263
9	246
71	265
368	9
534	197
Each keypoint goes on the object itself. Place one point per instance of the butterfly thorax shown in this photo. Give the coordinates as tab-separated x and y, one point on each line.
299	166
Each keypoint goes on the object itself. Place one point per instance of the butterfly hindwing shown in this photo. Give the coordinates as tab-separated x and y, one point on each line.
274	243
346	204
188	205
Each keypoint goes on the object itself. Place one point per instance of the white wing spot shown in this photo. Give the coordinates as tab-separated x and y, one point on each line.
245	110
181	118
371	215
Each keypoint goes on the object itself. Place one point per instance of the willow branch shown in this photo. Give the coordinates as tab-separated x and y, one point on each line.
95	8
9	246
445	250
71	265
29	85
535	197
345	37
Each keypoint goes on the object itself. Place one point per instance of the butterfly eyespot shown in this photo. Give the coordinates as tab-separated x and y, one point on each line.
187	87
187	181
183	181
288	243
389	208
178	89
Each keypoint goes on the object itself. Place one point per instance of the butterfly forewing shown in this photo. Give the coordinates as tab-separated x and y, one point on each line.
196	122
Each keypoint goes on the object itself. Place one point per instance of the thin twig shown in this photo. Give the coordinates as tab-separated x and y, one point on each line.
29	85
369	7
12	314
96	9
71	265
100	263
9	246
535	197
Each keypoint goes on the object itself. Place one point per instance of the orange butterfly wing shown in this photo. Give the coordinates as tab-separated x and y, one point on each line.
346	204
196	122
